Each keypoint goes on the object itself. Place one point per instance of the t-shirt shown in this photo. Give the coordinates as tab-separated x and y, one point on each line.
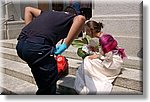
52	25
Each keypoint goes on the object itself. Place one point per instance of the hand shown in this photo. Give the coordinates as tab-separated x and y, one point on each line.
93	56
93	48
60	48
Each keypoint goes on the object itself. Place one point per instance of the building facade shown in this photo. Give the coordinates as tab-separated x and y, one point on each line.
122	19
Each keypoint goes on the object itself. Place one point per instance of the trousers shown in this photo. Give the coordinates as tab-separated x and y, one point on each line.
36	52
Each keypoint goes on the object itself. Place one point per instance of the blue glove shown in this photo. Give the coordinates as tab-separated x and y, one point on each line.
60	48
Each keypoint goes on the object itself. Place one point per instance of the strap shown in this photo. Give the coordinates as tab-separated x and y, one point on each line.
49	53
62	41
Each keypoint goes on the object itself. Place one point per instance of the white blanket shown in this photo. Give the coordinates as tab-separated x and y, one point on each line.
96	76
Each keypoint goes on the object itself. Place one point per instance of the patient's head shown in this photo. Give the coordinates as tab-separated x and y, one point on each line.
108	43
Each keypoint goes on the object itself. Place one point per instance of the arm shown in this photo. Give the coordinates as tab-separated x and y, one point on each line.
75	29
107	59
31	12
93	56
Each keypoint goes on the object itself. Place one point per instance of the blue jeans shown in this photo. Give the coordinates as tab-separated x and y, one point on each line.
44	70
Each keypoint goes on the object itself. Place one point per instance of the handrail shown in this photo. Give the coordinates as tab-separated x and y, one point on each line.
6	3
8	19
11	18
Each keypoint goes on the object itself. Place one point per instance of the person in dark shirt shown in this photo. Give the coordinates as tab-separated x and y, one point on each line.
37	43
73	11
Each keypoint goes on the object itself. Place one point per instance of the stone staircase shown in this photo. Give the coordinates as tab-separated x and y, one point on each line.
17	78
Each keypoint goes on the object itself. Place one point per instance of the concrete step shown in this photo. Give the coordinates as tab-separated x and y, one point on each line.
11	29
131	62
68	82
11	43
128	38
130	78
9	53
14	24
13	86
10	33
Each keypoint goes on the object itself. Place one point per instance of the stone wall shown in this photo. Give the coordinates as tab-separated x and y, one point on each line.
122	19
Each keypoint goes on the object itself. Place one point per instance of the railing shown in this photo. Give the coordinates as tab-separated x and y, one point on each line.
6	4
10	18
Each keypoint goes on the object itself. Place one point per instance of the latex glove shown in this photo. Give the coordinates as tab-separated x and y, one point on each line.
60	48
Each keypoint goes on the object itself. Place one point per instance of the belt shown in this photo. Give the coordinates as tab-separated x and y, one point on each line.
50	53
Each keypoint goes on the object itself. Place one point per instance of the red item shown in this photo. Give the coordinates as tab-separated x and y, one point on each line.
62	65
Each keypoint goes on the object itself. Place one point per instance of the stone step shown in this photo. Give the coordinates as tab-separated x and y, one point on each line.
116	90
12	55
11	43
11	29
131	62
12	86
15	24
121	40
10	33
129	39
130	78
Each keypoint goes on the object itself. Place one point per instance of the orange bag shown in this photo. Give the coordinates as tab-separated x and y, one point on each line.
62	65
